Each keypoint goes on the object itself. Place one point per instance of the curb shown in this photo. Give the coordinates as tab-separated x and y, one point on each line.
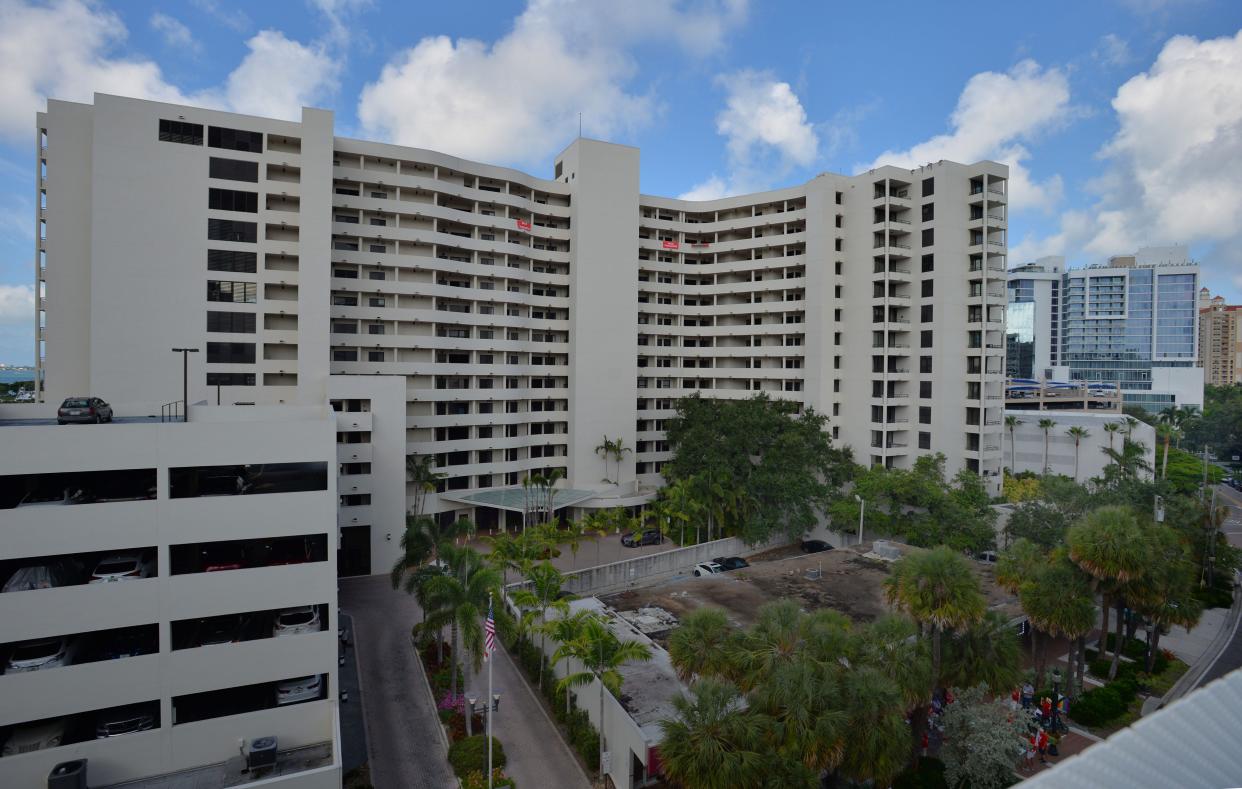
422	673
1205	663
362	694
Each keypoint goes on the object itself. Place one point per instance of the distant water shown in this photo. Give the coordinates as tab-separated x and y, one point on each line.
9	376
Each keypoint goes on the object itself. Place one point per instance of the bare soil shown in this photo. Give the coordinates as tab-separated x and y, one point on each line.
847	582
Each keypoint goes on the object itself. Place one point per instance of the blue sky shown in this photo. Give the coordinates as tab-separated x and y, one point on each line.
1121	119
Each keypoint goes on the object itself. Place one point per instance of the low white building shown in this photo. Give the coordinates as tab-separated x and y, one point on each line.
1024	445
222	633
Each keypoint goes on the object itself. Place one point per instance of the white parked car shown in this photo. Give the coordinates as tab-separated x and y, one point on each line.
292	691
123	567
35	737
304	619
707	568
42	653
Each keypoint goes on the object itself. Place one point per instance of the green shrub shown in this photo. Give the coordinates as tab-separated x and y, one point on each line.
1126	688
1099	706
470	755
478	780
1135	648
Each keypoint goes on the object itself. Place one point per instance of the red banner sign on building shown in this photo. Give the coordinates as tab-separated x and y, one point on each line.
671	245
523	225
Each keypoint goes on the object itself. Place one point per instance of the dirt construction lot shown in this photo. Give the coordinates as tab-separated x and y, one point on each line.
843	580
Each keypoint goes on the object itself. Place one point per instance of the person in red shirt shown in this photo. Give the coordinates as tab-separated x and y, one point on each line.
1045	707
1042	745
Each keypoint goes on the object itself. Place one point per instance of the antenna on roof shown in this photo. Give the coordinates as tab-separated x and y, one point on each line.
580	126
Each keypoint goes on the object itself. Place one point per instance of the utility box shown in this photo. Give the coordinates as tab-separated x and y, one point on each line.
68	775
261	753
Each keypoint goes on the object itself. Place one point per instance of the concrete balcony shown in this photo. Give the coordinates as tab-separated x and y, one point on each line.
353	453
354	516
353	421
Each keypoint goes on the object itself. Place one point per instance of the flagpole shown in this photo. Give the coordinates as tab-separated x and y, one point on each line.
490	709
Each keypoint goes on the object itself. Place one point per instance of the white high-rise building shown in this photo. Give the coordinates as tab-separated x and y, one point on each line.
502	323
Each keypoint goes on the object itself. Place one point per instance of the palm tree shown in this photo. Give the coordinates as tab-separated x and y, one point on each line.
807	732
1017	563
1111	428
1110	546
565	629
541	594
775	639
1012	422
422	479
1046	425
987	652
1078	434
877	738
421	543
615	449
939	589
1170	596
700	646
458	599
602	655
715	739
1058	601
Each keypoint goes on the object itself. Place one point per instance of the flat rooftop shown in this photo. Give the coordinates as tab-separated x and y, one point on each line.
119	420
647	689
843	580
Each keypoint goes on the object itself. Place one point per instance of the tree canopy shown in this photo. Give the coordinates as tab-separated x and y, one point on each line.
772	464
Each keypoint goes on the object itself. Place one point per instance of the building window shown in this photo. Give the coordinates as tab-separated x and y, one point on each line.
929	236
182	132
925	313
235	261
232	230
375	356
230	353
232	200
230	379
233	170
837	244
840	195
925	364
235	139
929	263
925	390
924	440
929	187
344	355
236	322
925	338
924	415
929	212
235	292
927	289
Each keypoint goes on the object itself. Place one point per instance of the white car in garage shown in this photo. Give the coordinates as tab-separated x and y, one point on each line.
293	691
291	621
42	653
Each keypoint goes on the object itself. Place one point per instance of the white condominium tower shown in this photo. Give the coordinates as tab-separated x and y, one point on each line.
528	317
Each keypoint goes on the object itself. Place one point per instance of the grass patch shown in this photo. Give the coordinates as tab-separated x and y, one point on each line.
1162	683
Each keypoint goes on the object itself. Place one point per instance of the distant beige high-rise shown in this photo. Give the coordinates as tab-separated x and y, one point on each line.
1220	340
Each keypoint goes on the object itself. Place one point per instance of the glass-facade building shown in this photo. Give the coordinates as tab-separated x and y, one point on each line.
1134	324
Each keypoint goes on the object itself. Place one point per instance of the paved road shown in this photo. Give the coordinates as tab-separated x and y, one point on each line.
404	748
1231	657
537	755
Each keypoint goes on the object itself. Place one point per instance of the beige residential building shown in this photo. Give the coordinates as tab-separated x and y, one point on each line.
1220	340
521	319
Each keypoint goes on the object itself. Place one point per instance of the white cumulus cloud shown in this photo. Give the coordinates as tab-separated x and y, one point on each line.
276	77
517	99
175	33
996	114
1175	165
767	134
17	304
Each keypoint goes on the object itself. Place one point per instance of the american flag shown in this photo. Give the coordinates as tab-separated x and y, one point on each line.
489	632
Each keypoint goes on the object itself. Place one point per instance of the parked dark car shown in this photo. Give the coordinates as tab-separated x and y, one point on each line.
731	562
815	546
632	539
126	720
83	409
126	643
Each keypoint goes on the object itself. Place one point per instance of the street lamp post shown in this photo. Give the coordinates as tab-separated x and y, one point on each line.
185	381
862	509
1158	510
1056	699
